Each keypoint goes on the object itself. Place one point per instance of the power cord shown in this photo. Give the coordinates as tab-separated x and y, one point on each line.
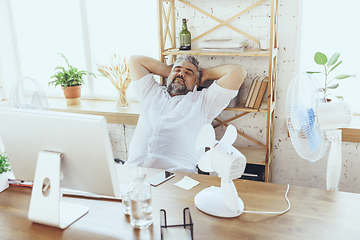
289	205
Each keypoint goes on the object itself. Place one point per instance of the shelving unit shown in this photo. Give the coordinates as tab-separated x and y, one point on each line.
262	155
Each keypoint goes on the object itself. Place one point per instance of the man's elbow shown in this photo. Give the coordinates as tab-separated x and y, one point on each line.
241	73
134	60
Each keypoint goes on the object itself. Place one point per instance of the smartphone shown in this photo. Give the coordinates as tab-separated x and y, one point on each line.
160	178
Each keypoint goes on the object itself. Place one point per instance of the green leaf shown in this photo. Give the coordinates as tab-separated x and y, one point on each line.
334	86
59	67
309	72
4	163
320	58
335	66
333	59
342	76
339	97
65	59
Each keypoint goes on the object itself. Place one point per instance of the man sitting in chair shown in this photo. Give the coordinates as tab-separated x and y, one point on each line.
172	116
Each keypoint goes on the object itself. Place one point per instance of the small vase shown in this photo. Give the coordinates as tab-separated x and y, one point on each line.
4	182
122	100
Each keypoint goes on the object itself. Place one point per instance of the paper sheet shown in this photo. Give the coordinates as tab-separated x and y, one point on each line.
187	183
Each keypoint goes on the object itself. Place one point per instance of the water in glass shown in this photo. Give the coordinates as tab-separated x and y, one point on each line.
140	197
125	194
126	203
141	210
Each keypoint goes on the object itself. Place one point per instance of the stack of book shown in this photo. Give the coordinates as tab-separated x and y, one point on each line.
223	45
256	92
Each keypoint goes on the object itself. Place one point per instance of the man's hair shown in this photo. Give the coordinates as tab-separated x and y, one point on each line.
193	61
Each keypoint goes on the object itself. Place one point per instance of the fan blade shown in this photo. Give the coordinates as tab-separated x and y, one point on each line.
230	135
35	102
205	162
309	129
334	160
229	194
206	137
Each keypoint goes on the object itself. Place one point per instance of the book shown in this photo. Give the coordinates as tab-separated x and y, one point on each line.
222	44
247	101
255	92
260	95
224	49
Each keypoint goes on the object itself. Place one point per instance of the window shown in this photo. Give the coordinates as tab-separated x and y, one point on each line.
85	31
331	26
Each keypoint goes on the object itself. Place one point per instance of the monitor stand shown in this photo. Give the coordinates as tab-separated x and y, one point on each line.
46	206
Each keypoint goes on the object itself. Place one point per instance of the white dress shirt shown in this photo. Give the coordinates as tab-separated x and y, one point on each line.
168	126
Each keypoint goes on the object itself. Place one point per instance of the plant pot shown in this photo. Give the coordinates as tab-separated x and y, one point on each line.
72	95
327	100
4	182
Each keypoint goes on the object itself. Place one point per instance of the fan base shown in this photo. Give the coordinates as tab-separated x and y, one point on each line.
209	201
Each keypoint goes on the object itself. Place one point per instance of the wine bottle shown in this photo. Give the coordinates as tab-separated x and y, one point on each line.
185	37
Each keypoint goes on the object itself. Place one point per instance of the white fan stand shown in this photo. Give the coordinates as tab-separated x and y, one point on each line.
332	116
334	161
46	206
210	201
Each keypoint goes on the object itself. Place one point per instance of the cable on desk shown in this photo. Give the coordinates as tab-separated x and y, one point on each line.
289	205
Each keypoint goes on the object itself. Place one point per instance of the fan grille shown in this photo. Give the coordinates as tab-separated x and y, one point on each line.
28	93
302	99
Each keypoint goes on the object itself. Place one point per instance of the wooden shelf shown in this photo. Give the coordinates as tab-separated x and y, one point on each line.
200	52
241	108
263	154
254	155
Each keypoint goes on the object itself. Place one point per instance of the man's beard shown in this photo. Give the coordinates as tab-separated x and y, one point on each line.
176	88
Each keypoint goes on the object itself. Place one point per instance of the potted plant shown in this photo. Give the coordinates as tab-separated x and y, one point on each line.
329	65
4	167
71	81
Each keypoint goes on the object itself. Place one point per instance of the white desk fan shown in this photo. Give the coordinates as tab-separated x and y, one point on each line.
27	93
229	163
313	124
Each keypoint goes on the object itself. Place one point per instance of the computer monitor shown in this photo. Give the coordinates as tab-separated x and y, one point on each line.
35	141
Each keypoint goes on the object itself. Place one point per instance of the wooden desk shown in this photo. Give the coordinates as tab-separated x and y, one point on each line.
314	214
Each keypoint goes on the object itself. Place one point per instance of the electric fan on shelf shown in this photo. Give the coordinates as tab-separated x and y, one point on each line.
229	164
314	124
27	93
